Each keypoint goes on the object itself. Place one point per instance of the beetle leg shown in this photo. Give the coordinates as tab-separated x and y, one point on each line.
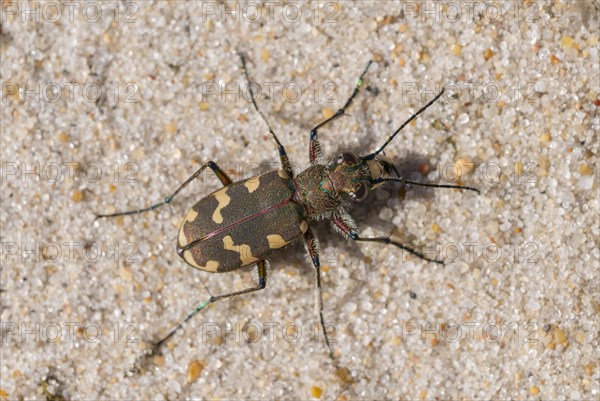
221	175
312	246
283	157
351	233
262	283
314	152
343	223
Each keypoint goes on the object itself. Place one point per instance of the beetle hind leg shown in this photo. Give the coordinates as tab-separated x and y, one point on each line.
260	273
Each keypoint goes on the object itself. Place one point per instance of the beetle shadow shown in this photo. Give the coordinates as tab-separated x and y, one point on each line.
414	167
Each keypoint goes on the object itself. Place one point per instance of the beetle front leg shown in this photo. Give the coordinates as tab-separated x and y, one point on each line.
351	233
314	151
221	175
313	249
286	166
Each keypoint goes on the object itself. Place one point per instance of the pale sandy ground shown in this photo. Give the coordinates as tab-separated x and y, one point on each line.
516	317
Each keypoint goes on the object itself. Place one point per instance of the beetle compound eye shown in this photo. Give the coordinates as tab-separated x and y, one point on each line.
349	158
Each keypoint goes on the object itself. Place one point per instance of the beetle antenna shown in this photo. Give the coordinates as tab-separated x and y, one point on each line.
422	109
393	179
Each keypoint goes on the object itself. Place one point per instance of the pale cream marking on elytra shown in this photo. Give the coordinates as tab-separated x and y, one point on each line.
303	226
252	184
211	265
276	241
187	256
191	215
282	174
223	199
183	241
244	250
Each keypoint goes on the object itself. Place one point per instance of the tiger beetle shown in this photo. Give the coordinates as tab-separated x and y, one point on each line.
245	222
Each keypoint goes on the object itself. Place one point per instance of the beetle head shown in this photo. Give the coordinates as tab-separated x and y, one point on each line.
353	176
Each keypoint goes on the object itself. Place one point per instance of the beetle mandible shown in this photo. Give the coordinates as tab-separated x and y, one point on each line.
245	222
